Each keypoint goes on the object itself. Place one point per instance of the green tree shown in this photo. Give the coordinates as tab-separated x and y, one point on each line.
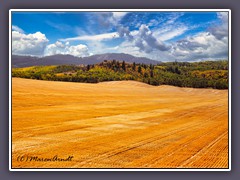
151	74
124	66
140	69
134	66
88	67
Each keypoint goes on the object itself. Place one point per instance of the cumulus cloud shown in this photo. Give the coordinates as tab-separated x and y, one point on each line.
201	46
124	32
112	19
204	45
28	44
147	38
56	48
79	50
212	44
143	39
221	31
36	44
223	16
128	47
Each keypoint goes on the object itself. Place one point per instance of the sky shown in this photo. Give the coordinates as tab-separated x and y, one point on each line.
162	36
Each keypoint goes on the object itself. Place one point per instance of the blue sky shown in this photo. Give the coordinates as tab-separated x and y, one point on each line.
164	36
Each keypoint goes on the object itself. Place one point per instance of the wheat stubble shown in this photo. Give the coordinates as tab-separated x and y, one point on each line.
123	124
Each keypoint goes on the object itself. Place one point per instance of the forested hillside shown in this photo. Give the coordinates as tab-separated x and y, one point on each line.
208	74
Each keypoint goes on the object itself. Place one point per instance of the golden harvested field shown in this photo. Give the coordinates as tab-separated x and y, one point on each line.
123	124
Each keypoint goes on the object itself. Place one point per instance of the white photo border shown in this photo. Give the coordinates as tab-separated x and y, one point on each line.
119	169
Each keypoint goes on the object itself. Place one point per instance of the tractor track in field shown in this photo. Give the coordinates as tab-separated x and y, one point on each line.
151	140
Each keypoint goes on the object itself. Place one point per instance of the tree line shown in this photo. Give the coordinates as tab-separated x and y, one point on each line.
208	74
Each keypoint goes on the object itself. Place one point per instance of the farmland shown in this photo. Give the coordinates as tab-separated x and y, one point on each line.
118	124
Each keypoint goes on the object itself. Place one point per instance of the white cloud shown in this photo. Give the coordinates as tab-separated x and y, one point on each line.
130	48
98	37
172	17
134	33
212	44
58	26
170	27
79	50
16	28
204	45
28	44
153	22
145	40
98	47
56	48
168	33
223	16
110	18
118	15
221	31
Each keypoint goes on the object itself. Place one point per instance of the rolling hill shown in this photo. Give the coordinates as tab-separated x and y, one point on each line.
118	124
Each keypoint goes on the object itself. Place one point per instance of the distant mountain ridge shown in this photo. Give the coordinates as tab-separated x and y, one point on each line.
59	59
